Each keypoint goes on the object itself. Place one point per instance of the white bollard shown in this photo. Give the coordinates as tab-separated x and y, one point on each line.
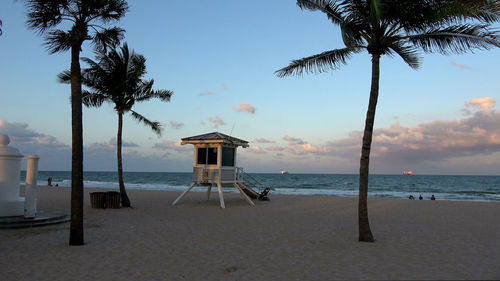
10	165
30	197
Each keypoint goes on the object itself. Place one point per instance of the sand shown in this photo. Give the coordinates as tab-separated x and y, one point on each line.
287	238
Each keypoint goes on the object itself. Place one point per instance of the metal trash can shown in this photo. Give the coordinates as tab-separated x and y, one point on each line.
98	200
113	199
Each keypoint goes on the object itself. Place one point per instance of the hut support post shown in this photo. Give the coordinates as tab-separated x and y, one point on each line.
209	191
244	195
221	197
184	193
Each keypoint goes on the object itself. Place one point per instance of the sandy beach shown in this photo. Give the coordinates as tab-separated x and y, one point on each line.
287	238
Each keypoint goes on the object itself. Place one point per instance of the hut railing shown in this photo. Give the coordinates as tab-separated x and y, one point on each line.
208	175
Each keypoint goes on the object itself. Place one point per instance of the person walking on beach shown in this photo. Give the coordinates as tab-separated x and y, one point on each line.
49	181
432	197
420	197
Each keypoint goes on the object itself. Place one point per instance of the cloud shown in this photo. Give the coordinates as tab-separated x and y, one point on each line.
51	151
224	86
484	105
176	125
458	65
262	140
172	145
307	147
243	107
100	156
137	161
257	149
216	122
207	93
275	148
19	133
434	142
16	129
298	146
293	140
125	143
110	145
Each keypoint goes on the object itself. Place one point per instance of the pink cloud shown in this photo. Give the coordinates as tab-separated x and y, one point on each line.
275	148
216	122
262	140
293	140
110	145
257	149
298	146
458	65
485	104
435	141
307	147
172	145
243	107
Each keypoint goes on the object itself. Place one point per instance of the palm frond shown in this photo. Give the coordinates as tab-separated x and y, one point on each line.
483	11
456	39
416	16
330	7
64	77
113	10
408	53
329	60
144	90
108	38
58	41
351	30
117	77
163	95
44	15
154	125
377	9
94	76
83	16
91	99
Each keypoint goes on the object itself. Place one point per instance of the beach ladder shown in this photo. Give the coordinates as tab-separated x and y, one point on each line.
249	185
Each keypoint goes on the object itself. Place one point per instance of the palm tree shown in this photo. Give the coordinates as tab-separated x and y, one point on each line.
117	78
83	18
392	28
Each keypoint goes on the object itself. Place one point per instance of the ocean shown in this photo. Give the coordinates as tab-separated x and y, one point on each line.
460	188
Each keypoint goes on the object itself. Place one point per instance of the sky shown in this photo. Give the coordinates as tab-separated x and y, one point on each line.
219	59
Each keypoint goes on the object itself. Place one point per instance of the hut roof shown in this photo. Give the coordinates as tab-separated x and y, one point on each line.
215	137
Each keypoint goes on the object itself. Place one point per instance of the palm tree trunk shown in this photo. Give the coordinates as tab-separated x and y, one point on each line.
365	234
123	192
76	227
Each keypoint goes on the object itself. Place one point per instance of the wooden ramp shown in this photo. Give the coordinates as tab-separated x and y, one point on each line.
248	191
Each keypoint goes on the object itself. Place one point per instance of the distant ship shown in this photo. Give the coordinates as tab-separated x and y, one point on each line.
407	173
283	172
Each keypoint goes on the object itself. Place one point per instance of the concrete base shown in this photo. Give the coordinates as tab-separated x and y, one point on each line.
42	218
12	208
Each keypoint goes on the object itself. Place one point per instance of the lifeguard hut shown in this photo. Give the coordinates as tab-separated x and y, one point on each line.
214	164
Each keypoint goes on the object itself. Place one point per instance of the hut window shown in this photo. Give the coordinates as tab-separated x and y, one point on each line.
227	156
207	155
212	156
202	155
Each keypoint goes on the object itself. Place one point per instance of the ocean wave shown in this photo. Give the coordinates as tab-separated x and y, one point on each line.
461	188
